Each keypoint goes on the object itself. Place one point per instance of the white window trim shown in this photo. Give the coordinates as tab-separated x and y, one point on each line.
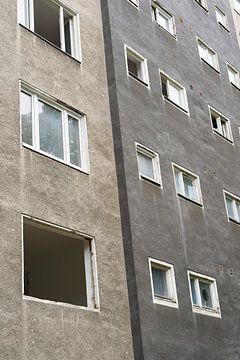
171	283
237	85
230	139
215	311
134	3
205	6
155	162
237	11
156	5
216	68
196	180
37	94
74	28
93	299
234	198
226	27
184	109
145	80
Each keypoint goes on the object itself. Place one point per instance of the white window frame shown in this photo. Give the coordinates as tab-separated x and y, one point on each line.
219	130
92	287
74	26
196	182
172	301
203	4
182	92
135	3
235	199
215	310
224	23
134	55
155	163
156	9
237	83
237	6
37	95
208	50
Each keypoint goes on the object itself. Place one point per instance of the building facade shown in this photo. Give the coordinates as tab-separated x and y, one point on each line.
63	283
173	77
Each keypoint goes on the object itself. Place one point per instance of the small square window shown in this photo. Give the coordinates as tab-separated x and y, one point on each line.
221	17
136	66
220	124
187	184
59	264
174	92
203	3
163	18
237	5
233	76
208	55
204	296
232	206
63	24
148	164
163	284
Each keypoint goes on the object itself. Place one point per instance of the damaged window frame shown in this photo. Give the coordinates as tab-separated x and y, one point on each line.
90	264
26	18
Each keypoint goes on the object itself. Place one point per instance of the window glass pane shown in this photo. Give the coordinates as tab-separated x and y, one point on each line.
50	130
230	208
145	165
26	118
205	294
133	67
159	282
174	93
23	12
67	32
238	210
46	20
193	290
232	76
74	141
189	187
202	51
163	20
178	182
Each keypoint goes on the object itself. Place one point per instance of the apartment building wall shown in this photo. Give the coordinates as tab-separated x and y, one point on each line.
156	222
46	189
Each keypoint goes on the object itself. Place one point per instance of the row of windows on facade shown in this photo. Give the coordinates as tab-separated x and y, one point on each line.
165	19
46	247
175	93
187	183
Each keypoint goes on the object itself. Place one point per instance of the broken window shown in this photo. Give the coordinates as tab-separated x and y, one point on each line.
58	264
52	22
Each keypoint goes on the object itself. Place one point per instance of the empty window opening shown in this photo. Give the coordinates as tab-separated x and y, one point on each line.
52	22
163	18
174	92
136	66
58	265
221	125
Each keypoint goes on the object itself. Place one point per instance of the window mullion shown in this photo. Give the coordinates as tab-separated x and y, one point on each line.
31	14
219	126
36	140
181	183
235	212
198	294
61	25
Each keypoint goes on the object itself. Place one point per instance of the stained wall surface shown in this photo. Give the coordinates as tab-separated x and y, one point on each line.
156	222
46	189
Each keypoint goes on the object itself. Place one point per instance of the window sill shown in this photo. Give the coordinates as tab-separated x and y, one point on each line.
165	302
138	80
59	303
29	147
206	311
212	67
234	221
190	200
174	36
224	27
48	42
177	106
235	86
223	137
149	180
203	7
134	4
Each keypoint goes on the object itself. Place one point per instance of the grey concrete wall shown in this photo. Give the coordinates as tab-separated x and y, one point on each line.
160	224
46	189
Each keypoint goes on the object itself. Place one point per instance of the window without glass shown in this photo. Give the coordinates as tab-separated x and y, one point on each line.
187	184
59	265
53	22
53	130
148	164
232	206
163	283
220	124
136	66
163	18
221	17
174	92
233	76
208	55
204	295
203	3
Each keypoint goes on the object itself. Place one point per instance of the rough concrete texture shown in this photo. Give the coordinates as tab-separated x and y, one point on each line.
46	189
157	222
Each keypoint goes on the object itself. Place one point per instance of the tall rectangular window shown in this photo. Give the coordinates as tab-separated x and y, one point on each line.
221	17
187	184
53	130
62	28
163	18
232	206
174	92
136	66
220	124
148	164
208	55
233	75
